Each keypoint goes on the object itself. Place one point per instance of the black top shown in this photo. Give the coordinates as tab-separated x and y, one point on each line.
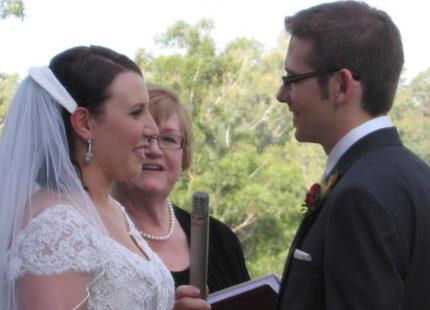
226	264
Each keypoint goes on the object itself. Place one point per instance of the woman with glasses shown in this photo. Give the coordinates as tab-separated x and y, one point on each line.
164	226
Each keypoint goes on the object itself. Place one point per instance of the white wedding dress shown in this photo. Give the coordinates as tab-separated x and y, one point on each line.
61	240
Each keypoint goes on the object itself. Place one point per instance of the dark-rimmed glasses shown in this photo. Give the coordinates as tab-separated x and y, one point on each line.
167	141
289	79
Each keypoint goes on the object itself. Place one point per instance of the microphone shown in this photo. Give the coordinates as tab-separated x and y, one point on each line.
199	242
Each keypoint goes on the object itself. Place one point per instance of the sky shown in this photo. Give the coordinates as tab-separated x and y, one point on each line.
51	26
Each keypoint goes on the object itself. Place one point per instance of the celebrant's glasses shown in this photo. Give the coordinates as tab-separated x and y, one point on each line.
167	141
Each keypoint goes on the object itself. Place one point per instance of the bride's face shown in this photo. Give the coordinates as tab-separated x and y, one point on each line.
118	133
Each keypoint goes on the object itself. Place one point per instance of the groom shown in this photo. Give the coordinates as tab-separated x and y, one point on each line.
364	242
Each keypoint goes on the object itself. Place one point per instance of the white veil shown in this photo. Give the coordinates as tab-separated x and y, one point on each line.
34	157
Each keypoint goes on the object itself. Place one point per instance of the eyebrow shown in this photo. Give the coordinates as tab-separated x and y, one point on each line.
138	104
169	130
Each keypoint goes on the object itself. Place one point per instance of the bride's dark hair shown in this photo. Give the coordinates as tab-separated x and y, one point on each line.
86	73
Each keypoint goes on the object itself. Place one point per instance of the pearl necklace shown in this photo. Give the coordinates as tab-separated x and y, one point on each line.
171	227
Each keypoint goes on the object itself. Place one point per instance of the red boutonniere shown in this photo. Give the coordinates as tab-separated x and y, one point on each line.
319	192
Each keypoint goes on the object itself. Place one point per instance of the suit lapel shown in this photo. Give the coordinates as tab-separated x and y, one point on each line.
306	223
380	138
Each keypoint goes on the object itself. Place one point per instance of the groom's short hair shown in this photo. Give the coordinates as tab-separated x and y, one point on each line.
353	35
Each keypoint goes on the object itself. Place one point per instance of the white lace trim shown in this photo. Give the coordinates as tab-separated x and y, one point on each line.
61	240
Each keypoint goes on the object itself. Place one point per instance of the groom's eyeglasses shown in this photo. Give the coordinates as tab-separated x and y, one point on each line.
167	141
293	78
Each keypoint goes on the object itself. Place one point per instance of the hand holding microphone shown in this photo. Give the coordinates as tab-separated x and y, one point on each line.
199	242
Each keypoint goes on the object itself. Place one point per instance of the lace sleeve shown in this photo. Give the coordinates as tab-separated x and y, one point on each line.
56	241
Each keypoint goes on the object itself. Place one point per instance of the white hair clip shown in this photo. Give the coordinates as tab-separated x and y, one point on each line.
47	80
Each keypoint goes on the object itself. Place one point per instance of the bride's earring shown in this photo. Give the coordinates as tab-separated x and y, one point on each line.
89	153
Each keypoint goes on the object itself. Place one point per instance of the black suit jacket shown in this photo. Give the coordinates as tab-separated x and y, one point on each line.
369	240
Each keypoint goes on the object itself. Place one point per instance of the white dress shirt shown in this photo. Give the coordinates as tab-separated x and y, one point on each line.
352	137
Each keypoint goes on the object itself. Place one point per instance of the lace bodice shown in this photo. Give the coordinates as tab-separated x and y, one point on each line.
61	240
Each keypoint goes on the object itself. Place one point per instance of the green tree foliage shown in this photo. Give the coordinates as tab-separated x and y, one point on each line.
245	154
411	114
7	88
11	8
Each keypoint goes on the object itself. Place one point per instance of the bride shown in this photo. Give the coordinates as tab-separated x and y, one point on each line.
73	128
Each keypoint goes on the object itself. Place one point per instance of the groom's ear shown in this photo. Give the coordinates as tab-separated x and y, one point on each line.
81	121
347	88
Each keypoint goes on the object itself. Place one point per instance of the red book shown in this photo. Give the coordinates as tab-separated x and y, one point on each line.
259	293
